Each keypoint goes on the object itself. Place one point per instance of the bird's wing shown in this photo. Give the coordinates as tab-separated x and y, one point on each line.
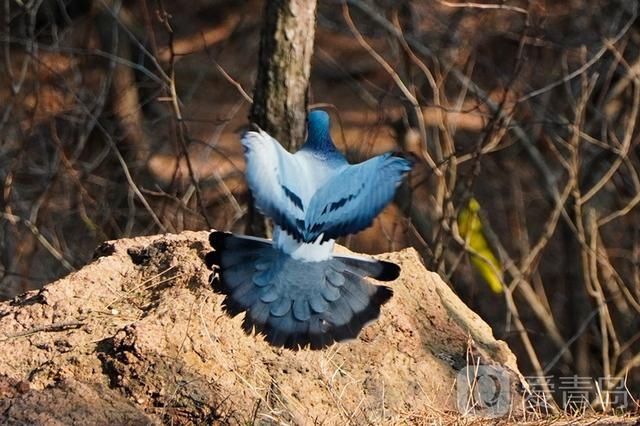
350	201
274	178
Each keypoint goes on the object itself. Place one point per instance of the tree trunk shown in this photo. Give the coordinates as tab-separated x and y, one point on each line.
280	95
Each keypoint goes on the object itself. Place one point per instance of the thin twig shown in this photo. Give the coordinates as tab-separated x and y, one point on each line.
41	238
470	5
396	78
55	327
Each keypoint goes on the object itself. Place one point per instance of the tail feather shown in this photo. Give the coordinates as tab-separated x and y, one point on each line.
331	293
269	294
301	310
212	259
279	329
335	277
318	333
281	307
377	269
245	295
230	241
299	336
294	303
236	276
257	316
318	304
340	312
357	302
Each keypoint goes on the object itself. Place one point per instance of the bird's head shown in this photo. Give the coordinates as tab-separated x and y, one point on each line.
318	132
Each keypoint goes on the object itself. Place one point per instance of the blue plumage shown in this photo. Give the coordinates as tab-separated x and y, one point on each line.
294	290
316	192
319	139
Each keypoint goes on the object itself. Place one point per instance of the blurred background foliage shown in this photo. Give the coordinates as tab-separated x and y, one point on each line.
122	118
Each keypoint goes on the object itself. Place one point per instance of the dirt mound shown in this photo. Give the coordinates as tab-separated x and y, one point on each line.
67	402
139	336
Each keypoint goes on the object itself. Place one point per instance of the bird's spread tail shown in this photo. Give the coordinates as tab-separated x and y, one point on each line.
295	303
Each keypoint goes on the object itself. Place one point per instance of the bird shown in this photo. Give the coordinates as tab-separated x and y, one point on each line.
472	230
294	290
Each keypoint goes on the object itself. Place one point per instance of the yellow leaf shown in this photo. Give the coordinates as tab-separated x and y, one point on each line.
472	230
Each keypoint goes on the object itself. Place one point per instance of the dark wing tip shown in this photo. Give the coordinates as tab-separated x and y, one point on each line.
382	295
216	239
390	271
410	158
212	259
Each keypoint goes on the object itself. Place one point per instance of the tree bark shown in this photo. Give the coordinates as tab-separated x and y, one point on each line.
281	92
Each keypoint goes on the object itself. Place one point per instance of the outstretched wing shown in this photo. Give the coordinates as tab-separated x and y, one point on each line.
350	201
275	178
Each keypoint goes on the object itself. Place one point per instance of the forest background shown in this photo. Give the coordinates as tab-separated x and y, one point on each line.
123	118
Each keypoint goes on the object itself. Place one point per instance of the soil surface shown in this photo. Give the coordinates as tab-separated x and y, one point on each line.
139	337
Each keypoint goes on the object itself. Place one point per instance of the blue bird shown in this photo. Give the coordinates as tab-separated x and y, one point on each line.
294	290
